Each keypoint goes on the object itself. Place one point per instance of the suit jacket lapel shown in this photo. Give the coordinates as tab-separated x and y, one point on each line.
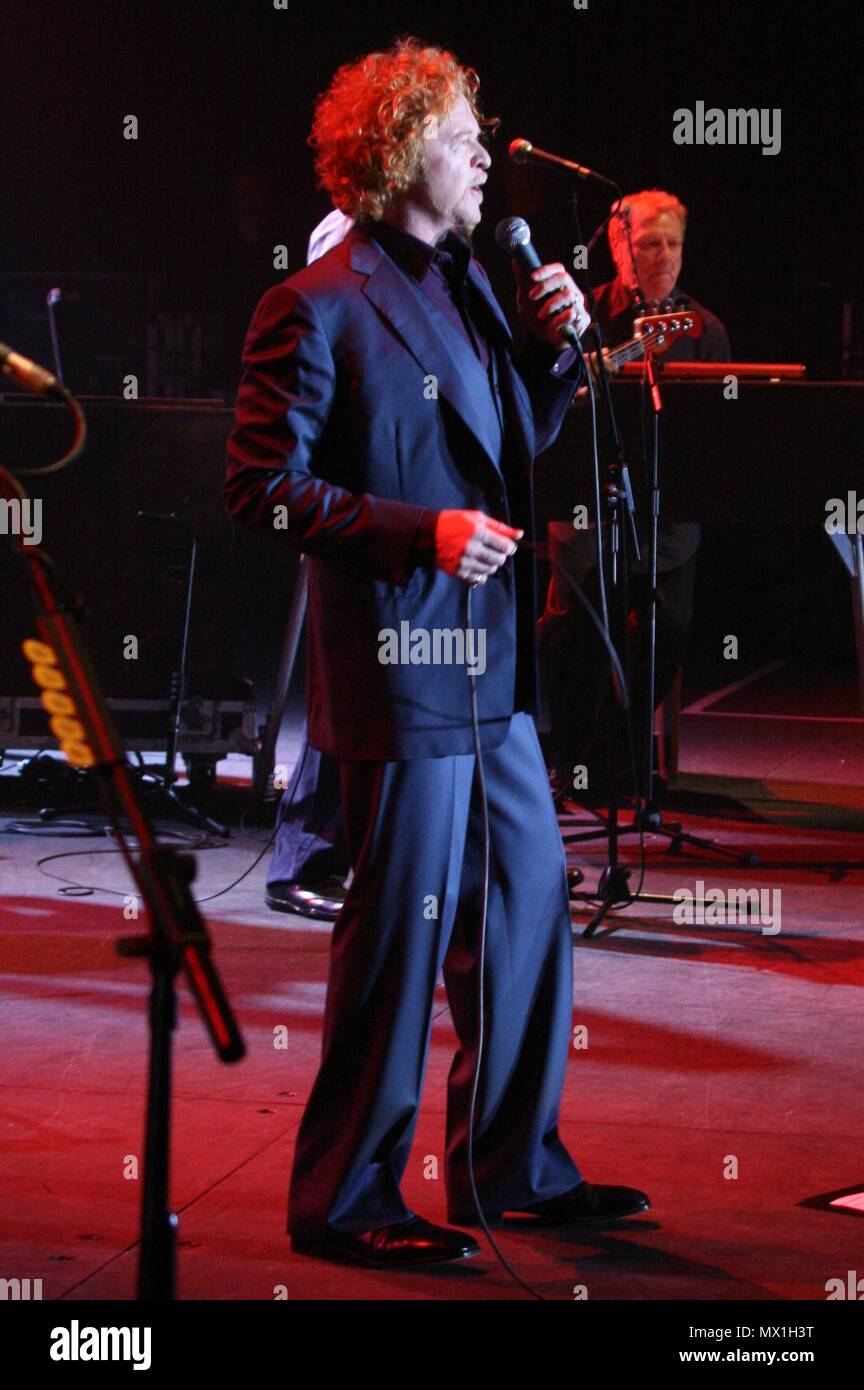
405	310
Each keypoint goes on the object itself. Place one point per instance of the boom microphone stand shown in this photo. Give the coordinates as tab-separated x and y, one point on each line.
613	888
647	815
178	938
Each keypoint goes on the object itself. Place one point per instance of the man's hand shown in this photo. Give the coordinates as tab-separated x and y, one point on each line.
564	306
472	545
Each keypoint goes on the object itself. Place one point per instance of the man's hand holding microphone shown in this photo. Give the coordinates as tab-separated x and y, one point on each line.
472	545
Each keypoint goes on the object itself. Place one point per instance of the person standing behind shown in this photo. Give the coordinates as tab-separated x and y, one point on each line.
309	863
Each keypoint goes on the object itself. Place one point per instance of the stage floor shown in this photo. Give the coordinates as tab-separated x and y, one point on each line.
722	1071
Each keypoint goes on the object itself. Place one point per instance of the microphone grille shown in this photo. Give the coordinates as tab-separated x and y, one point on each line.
512	232
519	150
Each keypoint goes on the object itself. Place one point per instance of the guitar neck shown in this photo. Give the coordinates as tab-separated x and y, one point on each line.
657	332
627	352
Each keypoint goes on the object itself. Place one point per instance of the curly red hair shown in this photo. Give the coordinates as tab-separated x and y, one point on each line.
368	126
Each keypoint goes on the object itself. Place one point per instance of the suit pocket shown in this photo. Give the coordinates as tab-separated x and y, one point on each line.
401	595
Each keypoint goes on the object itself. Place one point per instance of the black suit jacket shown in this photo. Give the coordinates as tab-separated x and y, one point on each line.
355	426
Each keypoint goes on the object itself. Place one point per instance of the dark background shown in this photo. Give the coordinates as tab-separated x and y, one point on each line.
223	90
169	238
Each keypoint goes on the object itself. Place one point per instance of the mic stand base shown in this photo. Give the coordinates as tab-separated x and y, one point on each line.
155	788
609	903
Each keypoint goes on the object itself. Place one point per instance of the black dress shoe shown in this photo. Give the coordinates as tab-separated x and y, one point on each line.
322	901
589	1204
412	1242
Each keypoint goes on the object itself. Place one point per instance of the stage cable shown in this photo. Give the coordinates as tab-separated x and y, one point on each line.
72	888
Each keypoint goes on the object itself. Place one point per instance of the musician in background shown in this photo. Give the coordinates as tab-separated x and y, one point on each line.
309	863
646	239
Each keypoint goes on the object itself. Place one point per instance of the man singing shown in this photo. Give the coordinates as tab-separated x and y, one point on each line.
386	428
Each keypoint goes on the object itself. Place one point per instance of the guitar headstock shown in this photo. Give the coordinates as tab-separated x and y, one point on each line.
657	332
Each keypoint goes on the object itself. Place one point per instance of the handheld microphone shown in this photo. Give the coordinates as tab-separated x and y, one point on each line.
513	235
523	152
29	375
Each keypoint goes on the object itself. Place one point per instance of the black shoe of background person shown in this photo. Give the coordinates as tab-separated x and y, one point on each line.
407	1243
589	1204
322	901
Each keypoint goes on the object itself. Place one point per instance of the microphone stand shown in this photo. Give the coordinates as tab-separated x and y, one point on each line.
165	788
613	885
649	813
179	677
613	888
162	788
178	937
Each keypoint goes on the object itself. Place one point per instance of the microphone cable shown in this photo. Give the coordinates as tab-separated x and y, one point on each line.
481	1006
479	775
